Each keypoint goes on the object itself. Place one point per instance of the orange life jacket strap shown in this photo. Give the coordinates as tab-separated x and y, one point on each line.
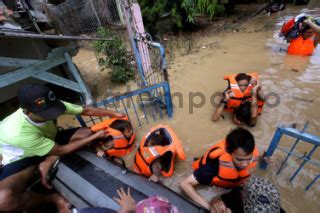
144	160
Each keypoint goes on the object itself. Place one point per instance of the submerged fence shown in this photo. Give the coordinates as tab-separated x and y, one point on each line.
74	17
307	157
141	106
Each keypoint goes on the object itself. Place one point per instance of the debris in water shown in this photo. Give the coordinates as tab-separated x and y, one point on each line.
276	64
303	99
294	70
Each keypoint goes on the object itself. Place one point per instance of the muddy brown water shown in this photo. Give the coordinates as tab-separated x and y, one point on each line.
255	47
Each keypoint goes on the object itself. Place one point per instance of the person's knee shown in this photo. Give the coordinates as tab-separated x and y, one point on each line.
8	200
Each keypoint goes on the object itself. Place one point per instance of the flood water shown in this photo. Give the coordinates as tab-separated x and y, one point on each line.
254	46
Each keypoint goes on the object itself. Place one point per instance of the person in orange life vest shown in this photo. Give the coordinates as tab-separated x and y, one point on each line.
306	42
227	164
249	107
156	154
119	140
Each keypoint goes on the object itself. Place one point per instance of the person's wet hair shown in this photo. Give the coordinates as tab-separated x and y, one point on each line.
121	125
305	28
243	113
240	138
243	76
158	140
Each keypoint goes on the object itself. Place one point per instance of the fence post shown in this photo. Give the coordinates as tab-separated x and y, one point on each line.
168	100
292	148
126	8
272	147
307	158
312	182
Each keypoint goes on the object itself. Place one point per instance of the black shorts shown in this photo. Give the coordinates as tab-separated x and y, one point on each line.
62	137
19	165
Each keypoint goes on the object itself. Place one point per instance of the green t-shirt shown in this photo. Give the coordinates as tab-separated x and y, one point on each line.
20	137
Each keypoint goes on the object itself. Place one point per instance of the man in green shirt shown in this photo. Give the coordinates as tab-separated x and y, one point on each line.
29	137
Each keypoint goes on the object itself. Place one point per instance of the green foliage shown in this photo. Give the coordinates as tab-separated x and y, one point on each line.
113	55
209	7
181	12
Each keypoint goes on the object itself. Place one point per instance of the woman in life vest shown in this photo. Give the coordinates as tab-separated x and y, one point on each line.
226	164
156	154
119	140
305	44
243	98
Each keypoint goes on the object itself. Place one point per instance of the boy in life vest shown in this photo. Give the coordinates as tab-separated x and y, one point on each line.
227	164
243	98
156	154
119	140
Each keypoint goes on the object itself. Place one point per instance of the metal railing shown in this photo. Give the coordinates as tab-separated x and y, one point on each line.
139	106
307	157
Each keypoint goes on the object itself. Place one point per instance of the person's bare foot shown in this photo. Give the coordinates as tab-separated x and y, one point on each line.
62	204
44	168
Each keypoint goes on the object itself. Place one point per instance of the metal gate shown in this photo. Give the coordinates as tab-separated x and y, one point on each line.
141	106
300	137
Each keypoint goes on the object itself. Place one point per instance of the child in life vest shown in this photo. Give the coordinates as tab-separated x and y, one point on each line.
107	147
157	165
157	152
243	98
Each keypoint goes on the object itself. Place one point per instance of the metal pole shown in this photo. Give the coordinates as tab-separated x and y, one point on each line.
314	180
126	7
272	147
44	36
307	158
292	148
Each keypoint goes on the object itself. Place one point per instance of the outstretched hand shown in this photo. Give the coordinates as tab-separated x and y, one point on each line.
126	201
119	115
227	95
268	159
218	206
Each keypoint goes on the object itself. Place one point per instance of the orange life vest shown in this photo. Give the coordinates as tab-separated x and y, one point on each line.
239	96
302	47
228	175
146	155
122	145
